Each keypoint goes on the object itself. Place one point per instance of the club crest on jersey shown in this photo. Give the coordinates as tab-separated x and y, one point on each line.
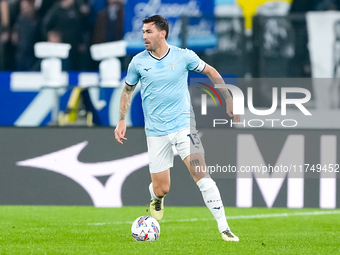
173	65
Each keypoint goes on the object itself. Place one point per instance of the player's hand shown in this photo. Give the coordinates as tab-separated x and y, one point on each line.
230	111
120	131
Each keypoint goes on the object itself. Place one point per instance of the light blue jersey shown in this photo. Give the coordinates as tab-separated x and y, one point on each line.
164	88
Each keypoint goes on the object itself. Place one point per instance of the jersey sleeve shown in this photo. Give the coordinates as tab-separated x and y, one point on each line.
133	75
194	63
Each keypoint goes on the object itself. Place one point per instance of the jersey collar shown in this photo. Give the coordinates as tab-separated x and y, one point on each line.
159	59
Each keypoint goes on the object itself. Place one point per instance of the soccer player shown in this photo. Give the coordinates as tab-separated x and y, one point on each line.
162	70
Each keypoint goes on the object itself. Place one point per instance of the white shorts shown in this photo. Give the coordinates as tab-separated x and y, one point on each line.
161	152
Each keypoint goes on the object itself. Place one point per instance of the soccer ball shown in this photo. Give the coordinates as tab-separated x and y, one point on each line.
145	228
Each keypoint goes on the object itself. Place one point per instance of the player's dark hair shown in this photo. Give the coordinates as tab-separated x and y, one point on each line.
160	22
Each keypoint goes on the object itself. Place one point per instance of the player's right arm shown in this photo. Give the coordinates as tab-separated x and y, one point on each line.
125	103
194	63
132	77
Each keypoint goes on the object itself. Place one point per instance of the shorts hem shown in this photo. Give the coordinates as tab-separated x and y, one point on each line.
164	169
186	155
193	154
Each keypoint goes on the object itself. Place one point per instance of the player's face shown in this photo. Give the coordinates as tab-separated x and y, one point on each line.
152	36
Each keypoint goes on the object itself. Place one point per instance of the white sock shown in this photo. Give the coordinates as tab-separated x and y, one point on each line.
152	193
212	200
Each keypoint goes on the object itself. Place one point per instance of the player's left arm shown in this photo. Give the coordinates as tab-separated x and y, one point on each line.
216	78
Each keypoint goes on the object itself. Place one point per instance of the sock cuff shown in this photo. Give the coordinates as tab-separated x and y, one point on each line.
152	193
205	183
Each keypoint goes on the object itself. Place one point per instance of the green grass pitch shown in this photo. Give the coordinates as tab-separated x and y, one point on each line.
184	230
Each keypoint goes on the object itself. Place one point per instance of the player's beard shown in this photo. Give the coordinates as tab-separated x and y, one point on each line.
152	47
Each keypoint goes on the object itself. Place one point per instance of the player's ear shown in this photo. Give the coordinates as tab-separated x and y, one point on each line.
163	33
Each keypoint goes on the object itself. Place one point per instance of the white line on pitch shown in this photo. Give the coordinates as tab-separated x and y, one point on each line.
237	217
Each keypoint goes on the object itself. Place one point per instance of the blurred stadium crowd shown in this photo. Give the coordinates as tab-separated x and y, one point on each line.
82	23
